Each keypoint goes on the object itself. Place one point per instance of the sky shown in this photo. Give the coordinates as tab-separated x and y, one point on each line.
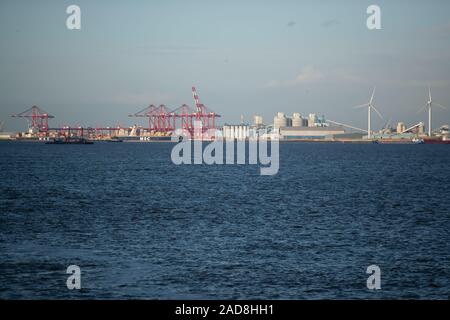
244	57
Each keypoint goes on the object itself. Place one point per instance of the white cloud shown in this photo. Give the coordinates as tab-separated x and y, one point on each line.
309	74
312	75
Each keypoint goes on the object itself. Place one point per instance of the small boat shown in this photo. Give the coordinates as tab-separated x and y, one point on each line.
69	141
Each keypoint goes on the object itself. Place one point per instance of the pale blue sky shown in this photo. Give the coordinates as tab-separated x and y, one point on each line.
244	56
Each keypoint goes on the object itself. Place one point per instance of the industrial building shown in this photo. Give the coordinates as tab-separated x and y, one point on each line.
401	132
299	133
281	120
298	127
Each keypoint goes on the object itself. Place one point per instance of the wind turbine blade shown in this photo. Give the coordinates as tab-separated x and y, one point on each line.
429	93
373	93
378	112
361	105
387	123
441	106
422	108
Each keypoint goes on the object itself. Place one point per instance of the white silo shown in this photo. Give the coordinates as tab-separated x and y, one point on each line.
297	120
280	120
312	120
258	120
401	127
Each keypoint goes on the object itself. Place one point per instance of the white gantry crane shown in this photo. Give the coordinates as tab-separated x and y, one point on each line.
370	107
428	107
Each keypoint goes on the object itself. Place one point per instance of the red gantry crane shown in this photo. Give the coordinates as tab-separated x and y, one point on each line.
185	114
203	114
161	120
147	112
39	118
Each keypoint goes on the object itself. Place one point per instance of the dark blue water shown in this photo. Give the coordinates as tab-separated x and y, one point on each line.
141	227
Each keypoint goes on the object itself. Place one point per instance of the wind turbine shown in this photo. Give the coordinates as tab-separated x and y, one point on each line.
428	106
370	107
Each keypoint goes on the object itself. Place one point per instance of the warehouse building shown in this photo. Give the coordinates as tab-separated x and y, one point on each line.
293	133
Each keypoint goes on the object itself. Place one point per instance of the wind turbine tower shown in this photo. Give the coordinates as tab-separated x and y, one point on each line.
370	107
428	107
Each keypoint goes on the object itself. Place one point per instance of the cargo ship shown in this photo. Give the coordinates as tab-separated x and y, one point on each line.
437	140
69	141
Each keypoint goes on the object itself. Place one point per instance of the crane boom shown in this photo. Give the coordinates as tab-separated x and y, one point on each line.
346	125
